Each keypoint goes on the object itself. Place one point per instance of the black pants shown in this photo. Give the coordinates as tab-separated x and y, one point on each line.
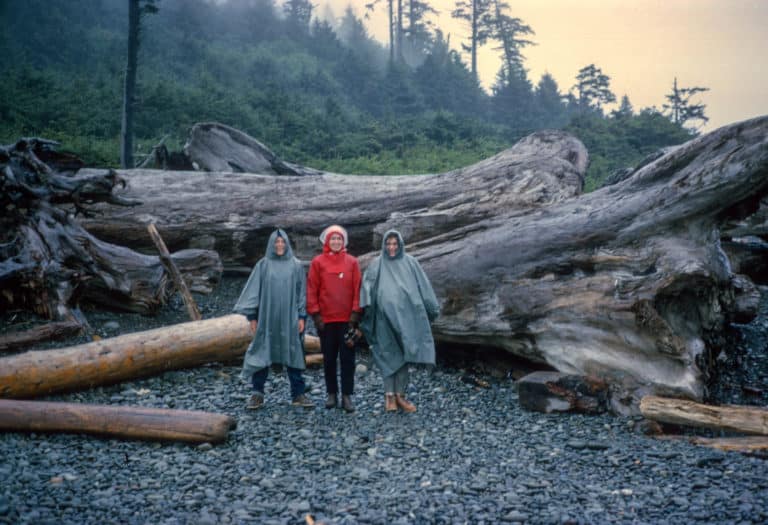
333	347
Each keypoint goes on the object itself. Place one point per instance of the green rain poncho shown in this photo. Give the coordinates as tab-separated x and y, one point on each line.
399	304
276	295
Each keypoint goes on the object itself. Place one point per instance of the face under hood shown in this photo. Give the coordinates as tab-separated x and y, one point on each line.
271	253
400	244
326	236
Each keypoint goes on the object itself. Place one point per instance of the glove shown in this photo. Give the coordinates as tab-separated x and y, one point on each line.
318	320
354	319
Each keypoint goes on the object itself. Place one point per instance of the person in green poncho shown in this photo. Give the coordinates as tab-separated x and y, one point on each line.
399	304
273	301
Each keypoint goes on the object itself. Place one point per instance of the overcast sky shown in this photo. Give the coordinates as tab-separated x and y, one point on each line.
641	44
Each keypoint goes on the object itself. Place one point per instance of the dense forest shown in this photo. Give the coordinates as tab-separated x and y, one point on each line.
314	87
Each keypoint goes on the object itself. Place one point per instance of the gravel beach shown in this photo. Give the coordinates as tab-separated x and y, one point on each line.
469	455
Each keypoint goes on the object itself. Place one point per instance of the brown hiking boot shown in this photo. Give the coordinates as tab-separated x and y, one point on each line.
331	401
404	404
346	404
390	405
255	402
302	401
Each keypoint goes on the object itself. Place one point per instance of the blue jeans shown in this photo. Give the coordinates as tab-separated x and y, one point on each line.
294	377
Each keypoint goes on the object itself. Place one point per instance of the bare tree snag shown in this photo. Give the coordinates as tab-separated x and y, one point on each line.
170	267
130	356
49	263
744	419
191	426
627	283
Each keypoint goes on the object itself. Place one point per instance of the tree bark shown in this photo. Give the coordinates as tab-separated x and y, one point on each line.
732	418
191	426
627	283
130	356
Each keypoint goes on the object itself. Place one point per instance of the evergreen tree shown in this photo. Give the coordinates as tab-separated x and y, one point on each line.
625	109
681	110
392	22
549	103
593	88
136	10
418	31
474	14
509	32
445	82
298	14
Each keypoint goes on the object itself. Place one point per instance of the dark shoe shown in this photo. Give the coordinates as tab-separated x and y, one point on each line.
302	401
404	404
331	401
255	402
346	404
390	405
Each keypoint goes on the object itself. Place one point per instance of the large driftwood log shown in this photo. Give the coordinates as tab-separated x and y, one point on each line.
744	419
191	426
49	263
626	283
130	356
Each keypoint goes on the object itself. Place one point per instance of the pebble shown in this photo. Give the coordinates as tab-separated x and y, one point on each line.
466	456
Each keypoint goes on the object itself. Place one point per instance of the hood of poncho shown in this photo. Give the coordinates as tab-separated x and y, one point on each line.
272	253
400	245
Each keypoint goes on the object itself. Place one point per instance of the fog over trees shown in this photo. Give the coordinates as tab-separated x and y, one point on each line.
314	86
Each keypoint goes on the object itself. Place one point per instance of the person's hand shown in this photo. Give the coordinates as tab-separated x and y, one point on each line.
319	324
253	325
301	326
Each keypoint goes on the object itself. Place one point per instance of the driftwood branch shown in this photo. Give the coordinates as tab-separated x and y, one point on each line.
115	421
173	271
744	419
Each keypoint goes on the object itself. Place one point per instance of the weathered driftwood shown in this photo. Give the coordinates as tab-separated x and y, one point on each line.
130	356
49	263
736	444
234	213
216	147
53	330
626	283
744	419
173	271
128	422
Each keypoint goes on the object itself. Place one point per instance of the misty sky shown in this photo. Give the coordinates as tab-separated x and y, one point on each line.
641	44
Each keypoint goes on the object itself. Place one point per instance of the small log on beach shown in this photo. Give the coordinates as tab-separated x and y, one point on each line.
733	418
54	330
191	426
126	357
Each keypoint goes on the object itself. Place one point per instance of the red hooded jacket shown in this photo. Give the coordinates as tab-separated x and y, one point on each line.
333	284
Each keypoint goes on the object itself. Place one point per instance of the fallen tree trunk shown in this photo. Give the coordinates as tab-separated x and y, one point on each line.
125	357
55	330
627	283
49	263
744	419
191	426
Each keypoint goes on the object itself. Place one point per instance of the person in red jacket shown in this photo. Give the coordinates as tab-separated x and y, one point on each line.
333	295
